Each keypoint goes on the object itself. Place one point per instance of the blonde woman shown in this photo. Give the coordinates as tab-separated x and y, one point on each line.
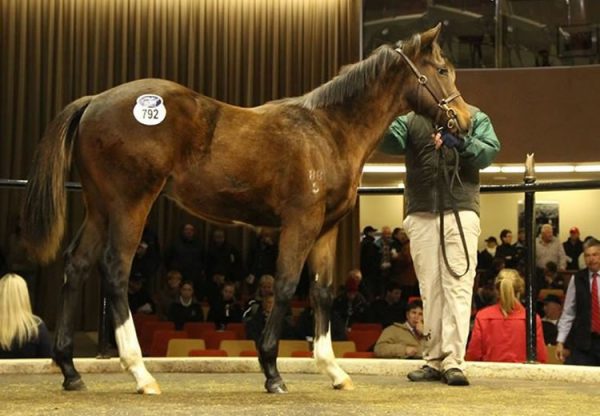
499	331
22	334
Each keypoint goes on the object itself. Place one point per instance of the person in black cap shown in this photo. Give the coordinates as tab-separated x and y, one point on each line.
369	263
552	311
486	256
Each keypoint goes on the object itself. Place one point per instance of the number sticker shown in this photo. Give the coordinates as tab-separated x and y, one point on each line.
149	109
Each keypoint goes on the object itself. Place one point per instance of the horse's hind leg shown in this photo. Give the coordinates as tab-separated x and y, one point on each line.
80	258
320	262
124	234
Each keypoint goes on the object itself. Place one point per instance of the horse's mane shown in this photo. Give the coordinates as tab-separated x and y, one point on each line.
354	78
351	79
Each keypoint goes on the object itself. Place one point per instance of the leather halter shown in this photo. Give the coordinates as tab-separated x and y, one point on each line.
441	102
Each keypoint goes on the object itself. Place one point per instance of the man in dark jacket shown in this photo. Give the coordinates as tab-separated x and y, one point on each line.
579	324
432	157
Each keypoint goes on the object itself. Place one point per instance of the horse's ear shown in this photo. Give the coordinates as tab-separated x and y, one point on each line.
431	36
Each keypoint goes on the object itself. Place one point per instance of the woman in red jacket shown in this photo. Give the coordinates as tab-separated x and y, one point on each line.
499	331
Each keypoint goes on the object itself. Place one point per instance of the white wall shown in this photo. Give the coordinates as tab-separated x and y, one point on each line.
380	210
498	211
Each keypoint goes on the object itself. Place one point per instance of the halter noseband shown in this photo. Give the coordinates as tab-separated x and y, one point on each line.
441	103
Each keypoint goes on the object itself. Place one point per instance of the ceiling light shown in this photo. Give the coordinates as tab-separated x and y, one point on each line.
587	168
512	169
555	168
371	168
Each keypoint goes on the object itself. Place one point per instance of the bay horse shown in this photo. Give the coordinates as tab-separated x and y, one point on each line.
293	164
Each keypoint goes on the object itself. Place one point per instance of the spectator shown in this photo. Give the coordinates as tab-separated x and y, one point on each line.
138	297
386	252
168	293
22	334
186	256
186	308
485	295
579	324
351	306
506	250
143	266
305	325
489	276
223	263
573	248
551	278
552	311
369	263
581	260
225	308
265	289
262	259
520	249
548	248
255	322
499	330
3	264
20	262
486	256
403	340
390	308
153	255
403	268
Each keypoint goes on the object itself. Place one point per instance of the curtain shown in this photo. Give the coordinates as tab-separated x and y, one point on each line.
243	52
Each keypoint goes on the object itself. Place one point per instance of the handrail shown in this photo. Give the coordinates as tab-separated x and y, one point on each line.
506	188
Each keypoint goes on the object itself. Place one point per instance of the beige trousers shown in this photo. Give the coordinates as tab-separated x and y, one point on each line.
446	299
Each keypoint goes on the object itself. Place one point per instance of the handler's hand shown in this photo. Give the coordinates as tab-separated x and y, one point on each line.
560	351
411	351
437	140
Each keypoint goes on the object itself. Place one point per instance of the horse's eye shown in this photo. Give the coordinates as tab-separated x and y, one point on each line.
442	71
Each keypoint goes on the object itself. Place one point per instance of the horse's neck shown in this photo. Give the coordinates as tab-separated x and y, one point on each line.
364	118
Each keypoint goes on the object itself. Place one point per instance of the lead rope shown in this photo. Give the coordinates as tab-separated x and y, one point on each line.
443	178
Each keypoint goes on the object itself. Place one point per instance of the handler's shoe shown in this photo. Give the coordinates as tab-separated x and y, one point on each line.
425	373
455	377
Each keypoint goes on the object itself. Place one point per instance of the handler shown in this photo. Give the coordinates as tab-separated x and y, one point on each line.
442	175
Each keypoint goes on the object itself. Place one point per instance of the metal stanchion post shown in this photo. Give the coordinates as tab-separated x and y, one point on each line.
529	179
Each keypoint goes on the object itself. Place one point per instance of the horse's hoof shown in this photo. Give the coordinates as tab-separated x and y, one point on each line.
151	388
74	385
347	384
276	386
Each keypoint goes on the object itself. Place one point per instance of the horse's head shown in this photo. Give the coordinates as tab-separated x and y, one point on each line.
434	93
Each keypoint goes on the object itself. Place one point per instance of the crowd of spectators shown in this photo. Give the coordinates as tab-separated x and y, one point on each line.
190	284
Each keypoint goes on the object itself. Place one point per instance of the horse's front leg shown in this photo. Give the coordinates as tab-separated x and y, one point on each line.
295	242
320	262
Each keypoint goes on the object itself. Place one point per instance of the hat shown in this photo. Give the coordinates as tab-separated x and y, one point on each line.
491	238
552	298
352	285
368	229
574	230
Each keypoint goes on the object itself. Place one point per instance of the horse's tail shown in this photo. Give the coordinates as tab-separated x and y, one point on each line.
43	214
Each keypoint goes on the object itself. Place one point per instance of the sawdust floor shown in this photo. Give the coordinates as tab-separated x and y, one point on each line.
242	394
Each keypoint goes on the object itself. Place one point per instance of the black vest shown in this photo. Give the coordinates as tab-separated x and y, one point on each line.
579	336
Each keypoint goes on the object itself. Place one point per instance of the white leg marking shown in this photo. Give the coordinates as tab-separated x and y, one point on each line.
131	354
325	358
